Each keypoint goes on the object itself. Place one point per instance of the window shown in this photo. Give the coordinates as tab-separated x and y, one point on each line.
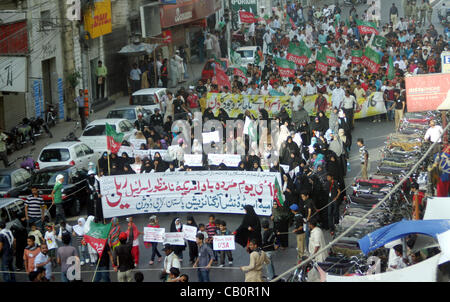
54	155
97	130
246	53
46	20
48	178
17	179
123	127
128	114
87	150
78	151
148	99
26	175
129	125
5	181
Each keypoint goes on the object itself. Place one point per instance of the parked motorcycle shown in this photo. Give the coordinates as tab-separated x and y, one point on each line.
50	115
39	126
23	134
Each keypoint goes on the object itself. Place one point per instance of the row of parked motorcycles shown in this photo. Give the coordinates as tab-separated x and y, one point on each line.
400	153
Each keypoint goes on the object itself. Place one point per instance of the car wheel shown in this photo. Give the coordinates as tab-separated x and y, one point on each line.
76	207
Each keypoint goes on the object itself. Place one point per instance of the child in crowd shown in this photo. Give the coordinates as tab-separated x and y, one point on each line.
223	231
50	238
154	223
36	233
211	229
269	240
202	230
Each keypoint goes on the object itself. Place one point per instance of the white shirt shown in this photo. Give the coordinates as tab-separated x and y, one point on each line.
310	89
267	38
434	134
317	239
209	44
296	101
337	95
50	238
398	263
41	258
347	102
171	261
135	74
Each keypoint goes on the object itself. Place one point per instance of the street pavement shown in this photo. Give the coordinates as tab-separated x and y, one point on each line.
374	134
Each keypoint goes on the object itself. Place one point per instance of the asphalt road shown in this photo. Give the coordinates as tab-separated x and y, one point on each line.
374	135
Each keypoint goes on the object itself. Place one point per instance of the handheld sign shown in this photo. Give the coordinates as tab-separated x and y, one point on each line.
189	232
175	238
224	243
154	234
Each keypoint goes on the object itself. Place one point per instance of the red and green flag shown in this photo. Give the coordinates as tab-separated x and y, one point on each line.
357	56
285	68
330	56
371	60
259	57
336	28
298	54
97	236
379	42
321	63
241	72
290	21
278	193
247	17
367	27
390	72
113	139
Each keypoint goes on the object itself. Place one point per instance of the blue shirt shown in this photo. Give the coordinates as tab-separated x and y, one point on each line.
205	254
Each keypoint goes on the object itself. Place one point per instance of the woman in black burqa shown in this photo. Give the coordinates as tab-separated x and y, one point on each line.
193	250
250	228
177	226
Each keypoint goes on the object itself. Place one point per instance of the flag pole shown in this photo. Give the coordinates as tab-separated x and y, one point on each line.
96	268
109	167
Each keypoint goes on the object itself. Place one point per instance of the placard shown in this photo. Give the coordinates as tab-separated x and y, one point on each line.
209	137
175	238
193	160
224	243
154	234
125	149
189	232
136	143
285	168
141	153
164	154
230	160
193	191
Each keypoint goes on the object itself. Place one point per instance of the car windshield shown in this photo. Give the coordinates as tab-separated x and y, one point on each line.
5	181
144	100
246	53
96	130
54	155
128	114
48	178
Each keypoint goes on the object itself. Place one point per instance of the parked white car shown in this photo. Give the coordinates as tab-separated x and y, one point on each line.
150	99
248	54
67	153
94	135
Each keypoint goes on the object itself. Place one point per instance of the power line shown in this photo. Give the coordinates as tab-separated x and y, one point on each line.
393	190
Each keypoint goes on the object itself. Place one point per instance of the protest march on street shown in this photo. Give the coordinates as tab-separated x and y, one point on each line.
313	147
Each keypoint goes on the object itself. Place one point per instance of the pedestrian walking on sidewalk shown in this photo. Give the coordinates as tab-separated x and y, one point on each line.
364	158
79	100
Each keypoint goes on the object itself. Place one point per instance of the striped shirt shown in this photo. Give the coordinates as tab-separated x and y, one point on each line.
211	230
34	206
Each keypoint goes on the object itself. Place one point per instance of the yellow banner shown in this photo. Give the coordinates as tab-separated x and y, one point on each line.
97	20
235	104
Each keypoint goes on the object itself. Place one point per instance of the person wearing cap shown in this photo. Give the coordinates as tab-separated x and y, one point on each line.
57	198
298	230
192	101
140	123
171	260
123	261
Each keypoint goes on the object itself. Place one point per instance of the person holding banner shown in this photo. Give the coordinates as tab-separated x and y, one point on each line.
193	251
177	226
153	224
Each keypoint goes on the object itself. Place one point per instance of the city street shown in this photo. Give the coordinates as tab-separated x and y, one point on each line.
374	135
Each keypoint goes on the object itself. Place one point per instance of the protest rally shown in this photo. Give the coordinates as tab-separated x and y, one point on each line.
288	141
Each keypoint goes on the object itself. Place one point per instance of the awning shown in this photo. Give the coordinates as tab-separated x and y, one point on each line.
401	229
138	49
425	271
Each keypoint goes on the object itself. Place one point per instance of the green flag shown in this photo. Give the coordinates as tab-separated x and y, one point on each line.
97	236
330	56
298	54
113	139
371	59
236	58
367	27
286	68
356	56
391	70
321	63
379	42
278	194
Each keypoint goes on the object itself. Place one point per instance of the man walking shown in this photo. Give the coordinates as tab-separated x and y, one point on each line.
393	14
123	258
79	100
34	208
349	104
399	106
170	261
298	230
101	74
3	153
64	254
6	253
57	199
204	260
135	78
45	261
253	271
364	158
30	253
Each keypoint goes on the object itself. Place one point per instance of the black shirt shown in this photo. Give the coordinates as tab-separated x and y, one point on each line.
399	104
104	260
156	120
7	250
268	239
298	222
177	106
